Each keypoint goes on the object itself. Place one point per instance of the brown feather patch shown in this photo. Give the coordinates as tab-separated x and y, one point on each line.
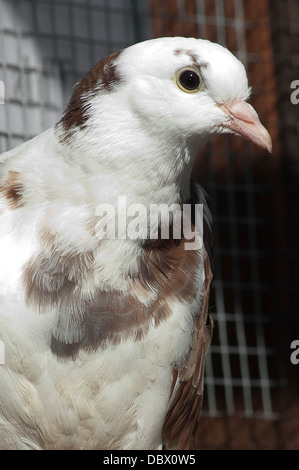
181	422
102	76
53	279
13	190
170	269
165	268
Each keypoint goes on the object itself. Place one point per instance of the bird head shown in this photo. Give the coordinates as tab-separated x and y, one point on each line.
152	105
190	87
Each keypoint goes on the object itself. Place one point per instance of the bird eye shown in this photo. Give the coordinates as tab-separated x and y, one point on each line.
189	80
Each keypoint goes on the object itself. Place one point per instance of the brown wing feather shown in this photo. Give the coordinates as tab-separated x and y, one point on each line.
182	419
181	423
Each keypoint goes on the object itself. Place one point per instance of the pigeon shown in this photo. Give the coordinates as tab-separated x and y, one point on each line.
104	302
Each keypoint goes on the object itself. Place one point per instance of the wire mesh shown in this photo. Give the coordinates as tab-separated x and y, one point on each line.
46	46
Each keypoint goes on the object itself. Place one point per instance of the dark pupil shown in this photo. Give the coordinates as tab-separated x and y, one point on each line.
190	80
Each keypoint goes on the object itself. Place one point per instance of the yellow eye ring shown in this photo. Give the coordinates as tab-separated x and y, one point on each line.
189	80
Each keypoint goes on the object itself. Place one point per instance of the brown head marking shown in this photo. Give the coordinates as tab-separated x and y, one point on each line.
102	76
194	57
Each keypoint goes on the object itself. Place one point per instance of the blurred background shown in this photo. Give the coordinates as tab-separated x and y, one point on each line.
252	388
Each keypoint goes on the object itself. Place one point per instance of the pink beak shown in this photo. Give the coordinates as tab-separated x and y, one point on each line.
243	120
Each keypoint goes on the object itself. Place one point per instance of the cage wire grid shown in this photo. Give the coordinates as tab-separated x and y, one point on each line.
47	46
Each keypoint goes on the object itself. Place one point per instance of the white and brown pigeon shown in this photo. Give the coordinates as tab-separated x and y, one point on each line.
104	336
